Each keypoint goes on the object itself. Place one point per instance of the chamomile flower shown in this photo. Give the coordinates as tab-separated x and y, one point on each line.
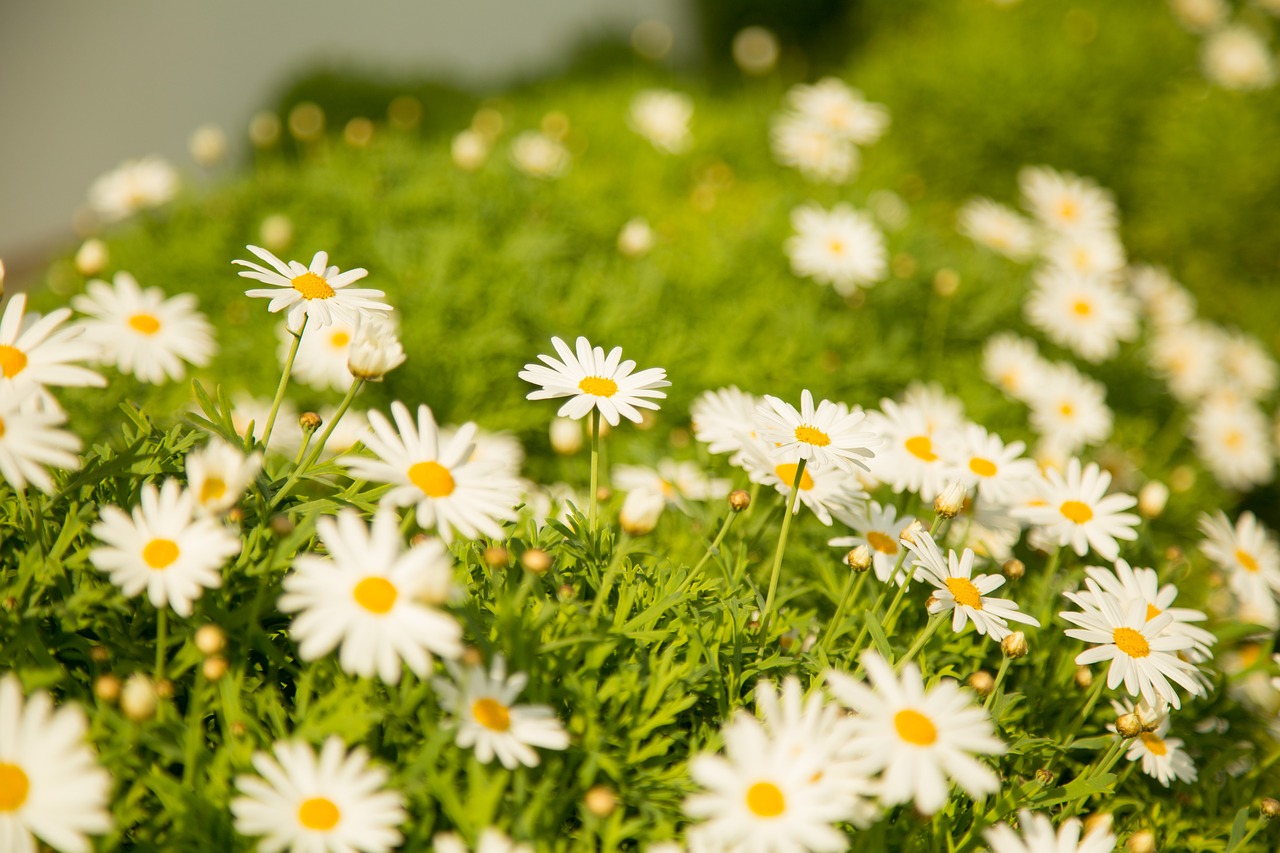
1165	303
966	595
917	739
218	474
979	459
941	411
1232	437
1086	253
450	492
662	117
1077	510
1142	654
1082	313
823	491
1064	202
1246	551
1013	364
907	458
499	449
382	603
163	547
132	186
827	434
724	419
142	333
1248	365
335	802
820	154
31	441
488	720
879	528
539	155
375	348
51	786
321	360
840	247
997	227
1128	584
1237	57
1069	409
1163	758
1035	834
34	351
491	841
595	381
842	110
319	293
1188	358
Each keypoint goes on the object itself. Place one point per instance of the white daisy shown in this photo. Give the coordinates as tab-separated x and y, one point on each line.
595	381
662	117
1086	253
840	247
1200	16
132	186
1163	758
332	803
488	720
979	459
879	528
30	440
321	360
823	491
918	739
724	419
1189	358
218	475
1013	364
1232	438
907	458
676	482
963	593
142	333
826	434
451	492
1246	551
840	109
163	547
491	841
34	351
1248	364
1082	313
1166	303
499	449
1064	202
51	786
1077	510
1142	654
820	154
997	227
942	412
1128	584
320	292
1035	835
375	348
382	603
539	156
1069	409
470	149
1237	57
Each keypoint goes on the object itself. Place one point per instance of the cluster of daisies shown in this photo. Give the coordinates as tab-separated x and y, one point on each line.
821	128
1235	54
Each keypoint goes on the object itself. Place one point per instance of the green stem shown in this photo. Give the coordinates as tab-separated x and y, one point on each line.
874	613
891	617
284	381
307	435
1004	667
1096	692
299	470
782	547
715	544
851	591
162	637
923	637
595	468
195	730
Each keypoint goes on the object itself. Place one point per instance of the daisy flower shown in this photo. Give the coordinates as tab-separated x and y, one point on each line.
840	247
1237	57
1142	654
163	548
825	434
967	596
997	227
142	333
1064	202
1068	408
1128	584
1077	510
662	117
1082	313
842	110
375	349
820	154
1248	364
724	419
132	186
321	360
320	292
332	803
1232	438
539	156
1086	253
30	440
218	474
822	491
979	459
1013	364
595	381
499	449
1165	303
34	351
1035	835
1189	359
491	841
941	411
879	528
51	786
382	603
1246	551
1163	758
917	739
907	458
488	720
451	493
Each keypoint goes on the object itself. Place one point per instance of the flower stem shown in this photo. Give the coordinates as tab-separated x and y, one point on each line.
923	637
782	547
284	381
1004	667
715	545
162	637
852	590
891	617
1096	692
316	450
595	468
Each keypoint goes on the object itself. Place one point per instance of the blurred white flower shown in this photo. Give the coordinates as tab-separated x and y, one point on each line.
662	117
132	186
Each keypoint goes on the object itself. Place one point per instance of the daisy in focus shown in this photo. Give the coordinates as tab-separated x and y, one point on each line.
163	547
31	441
218	475
965	595
335	802
51	786
825	435
595	381
132	186
1128	584
489	721
140	332
662	117
980	460
34	351
879	528
1077	510
840	247
918	740
383	604
1035	834
1163	758
320	293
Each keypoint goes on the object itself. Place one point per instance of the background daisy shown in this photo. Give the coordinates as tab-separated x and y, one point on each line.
595	381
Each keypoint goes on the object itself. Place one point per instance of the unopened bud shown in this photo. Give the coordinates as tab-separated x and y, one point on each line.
1173	554
375	348
1014	569
239	729
640	511
1099	822
739	500
418	540
1270	808
536	560
235	515
92	257
1045	777
1129	725
99	654
600	801
911	533
566	436
497	558
1151	499
603	494
214	667
471	656
107	688
164	688
1014	646
1143	841
982	682
565	592
210	639
1084	677
208	145
310	422
859	559
949	503
138	699
281	525
930	602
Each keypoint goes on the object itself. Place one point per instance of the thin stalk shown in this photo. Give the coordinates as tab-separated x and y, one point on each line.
195	729
782	547
1096	692
284	381
162	637
300	469
852	590
715	544
1004	667
595	468
923	637
875	608
891	617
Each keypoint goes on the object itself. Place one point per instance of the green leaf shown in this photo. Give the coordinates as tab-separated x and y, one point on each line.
1238	828
1077	789
877	635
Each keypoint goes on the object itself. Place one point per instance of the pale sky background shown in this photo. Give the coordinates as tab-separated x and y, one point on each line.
86	85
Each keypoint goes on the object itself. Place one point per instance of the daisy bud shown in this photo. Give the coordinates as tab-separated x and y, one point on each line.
99	654
497	558
982	682
419	539
471	656
566	436
1129	725
214	667
641	511
1143	841
600	801
235	515
565	592
164	688
911	533
375	349
1084	677
932	600
1014	569
107	688
210	639
603	494
310	422
1173	554
1097	822
281	525
739	500
138	699
238	729
1270	808
1045	777
1014	646
92	257
1152	498
536	560
859	559
951	501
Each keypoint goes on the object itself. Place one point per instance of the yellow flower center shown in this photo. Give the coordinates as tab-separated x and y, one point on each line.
1082	308
1076	511
914	727
14	787
765	799
318	814
1	427
787	474
1131	642
338	340
964	592
836	247
1154	743
598	386
312	286
1068	209
812	435
433	478
160	553
491	714
982	467
375	594
1243	557
921	447
12	360
1067	410
212	489
1233	439
1080	257
1009	379
882	543
144	323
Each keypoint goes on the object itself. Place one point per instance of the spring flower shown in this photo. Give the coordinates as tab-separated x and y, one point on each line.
840	247
1246	551
488	720
1237	57
1128	584
1069	409
640	511
967	596
877	527
1232	437
1064	202
142	333
1082	313
840	109
1248	365
375	349
332	803
163	547
321	360
824	492
825	434
30	440
820	154
1035	835
451	493
382	603
1013	364
320	292
491	841
1188	358
917	739
907	458
34	351
995	226
594	381
980	459
662	117
92	257
1163	758
539	156
218	475
1087	253
1165	303
132	186
1077	510
724	419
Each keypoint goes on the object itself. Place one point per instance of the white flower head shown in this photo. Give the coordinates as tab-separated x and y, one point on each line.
997	227
132	186
824	492
819	153
1082	313
1246	551
662	117
825	434
879	528
1013	364
1069	409
218	474
968	596
1077	511
34	351
375	349
1163	758
724	419
1128	584
840	247
31	440
841	109
1237	57
980	460
1232	437
1035	834
593	380
907	458
320	293
539	155
1064	202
